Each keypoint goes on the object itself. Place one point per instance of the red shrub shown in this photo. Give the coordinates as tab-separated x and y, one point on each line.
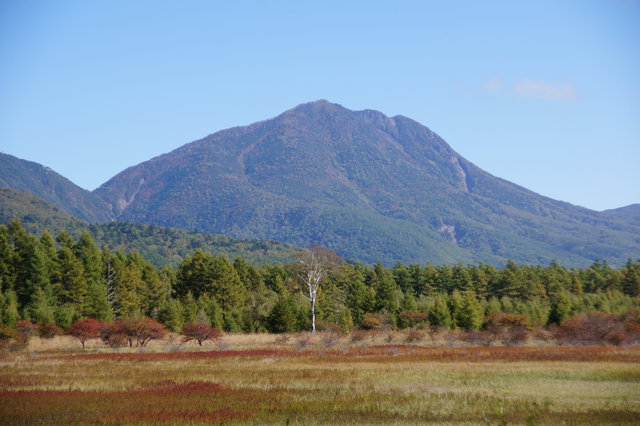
198	332
511	329
85	329
410	319
113	334
599	327
128	330
49	331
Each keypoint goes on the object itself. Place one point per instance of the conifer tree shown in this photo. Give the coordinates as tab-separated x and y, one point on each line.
171	315
9	314
72	287
382	281
469	316
455	302
226	286
40	310
561	308
91	257
440	315
7	272
282	318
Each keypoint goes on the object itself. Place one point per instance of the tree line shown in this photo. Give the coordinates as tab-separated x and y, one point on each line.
63	280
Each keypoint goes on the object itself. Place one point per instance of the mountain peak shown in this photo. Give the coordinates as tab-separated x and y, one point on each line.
369	186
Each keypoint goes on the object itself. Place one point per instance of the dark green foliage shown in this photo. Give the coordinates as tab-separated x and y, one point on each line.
440	314
470	314
69	279
282	317
159	245
561	308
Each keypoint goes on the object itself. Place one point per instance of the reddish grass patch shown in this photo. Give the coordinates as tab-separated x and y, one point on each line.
157	356
506	353
166	401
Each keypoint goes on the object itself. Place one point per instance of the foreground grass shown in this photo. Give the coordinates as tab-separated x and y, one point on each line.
369	385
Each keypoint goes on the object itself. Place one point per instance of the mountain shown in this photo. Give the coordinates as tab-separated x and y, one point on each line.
630	213
50	186
369	186
160	245
36	214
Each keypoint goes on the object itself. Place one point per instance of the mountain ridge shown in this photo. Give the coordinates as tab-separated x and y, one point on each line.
370	186
311	173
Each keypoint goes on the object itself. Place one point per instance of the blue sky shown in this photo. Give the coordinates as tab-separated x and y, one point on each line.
545	94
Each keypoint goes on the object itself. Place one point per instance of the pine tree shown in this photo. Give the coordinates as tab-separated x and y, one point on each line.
440	315
98	306
282	318
226	286
455	302
7	272
9	315
469	317
72	287
40	310
171	315
631	278
561	308
91	257
382	281
29	265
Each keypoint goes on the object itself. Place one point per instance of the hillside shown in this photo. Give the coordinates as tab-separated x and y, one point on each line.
50	186
160	245
366	185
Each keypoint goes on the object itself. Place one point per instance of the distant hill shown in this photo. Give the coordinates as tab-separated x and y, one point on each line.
160	245
369	186
36	214
50	186
629	214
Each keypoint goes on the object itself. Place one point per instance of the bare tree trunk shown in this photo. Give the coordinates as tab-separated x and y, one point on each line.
313	316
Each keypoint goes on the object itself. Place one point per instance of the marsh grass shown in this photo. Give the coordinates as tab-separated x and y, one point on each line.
267	379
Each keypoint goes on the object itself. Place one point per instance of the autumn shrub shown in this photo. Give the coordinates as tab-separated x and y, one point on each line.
597	328
113	334
49	331
85	330
7	337
510	329
199	333
25	329
415	335
371	322
330	327
358	335
411	319
127	331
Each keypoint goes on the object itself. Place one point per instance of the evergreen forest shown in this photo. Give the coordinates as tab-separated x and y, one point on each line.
61	279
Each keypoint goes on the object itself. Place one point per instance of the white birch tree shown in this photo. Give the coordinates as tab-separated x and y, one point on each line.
314	264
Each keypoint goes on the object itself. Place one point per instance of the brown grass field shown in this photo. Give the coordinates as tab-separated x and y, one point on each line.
325	379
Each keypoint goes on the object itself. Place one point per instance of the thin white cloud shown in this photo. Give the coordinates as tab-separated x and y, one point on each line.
529	88
493	85
535	89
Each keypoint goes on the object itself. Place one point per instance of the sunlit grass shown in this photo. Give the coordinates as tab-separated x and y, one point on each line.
273	382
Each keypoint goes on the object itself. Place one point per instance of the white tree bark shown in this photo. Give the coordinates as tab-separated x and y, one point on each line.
312	275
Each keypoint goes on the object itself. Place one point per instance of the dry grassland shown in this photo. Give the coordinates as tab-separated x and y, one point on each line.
298	379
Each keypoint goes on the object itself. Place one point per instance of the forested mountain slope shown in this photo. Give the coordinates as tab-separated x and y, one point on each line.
160	245
50	186
369	186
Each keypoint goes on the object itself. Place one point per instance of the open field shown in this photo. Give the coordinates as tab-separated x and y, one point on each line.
271	379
